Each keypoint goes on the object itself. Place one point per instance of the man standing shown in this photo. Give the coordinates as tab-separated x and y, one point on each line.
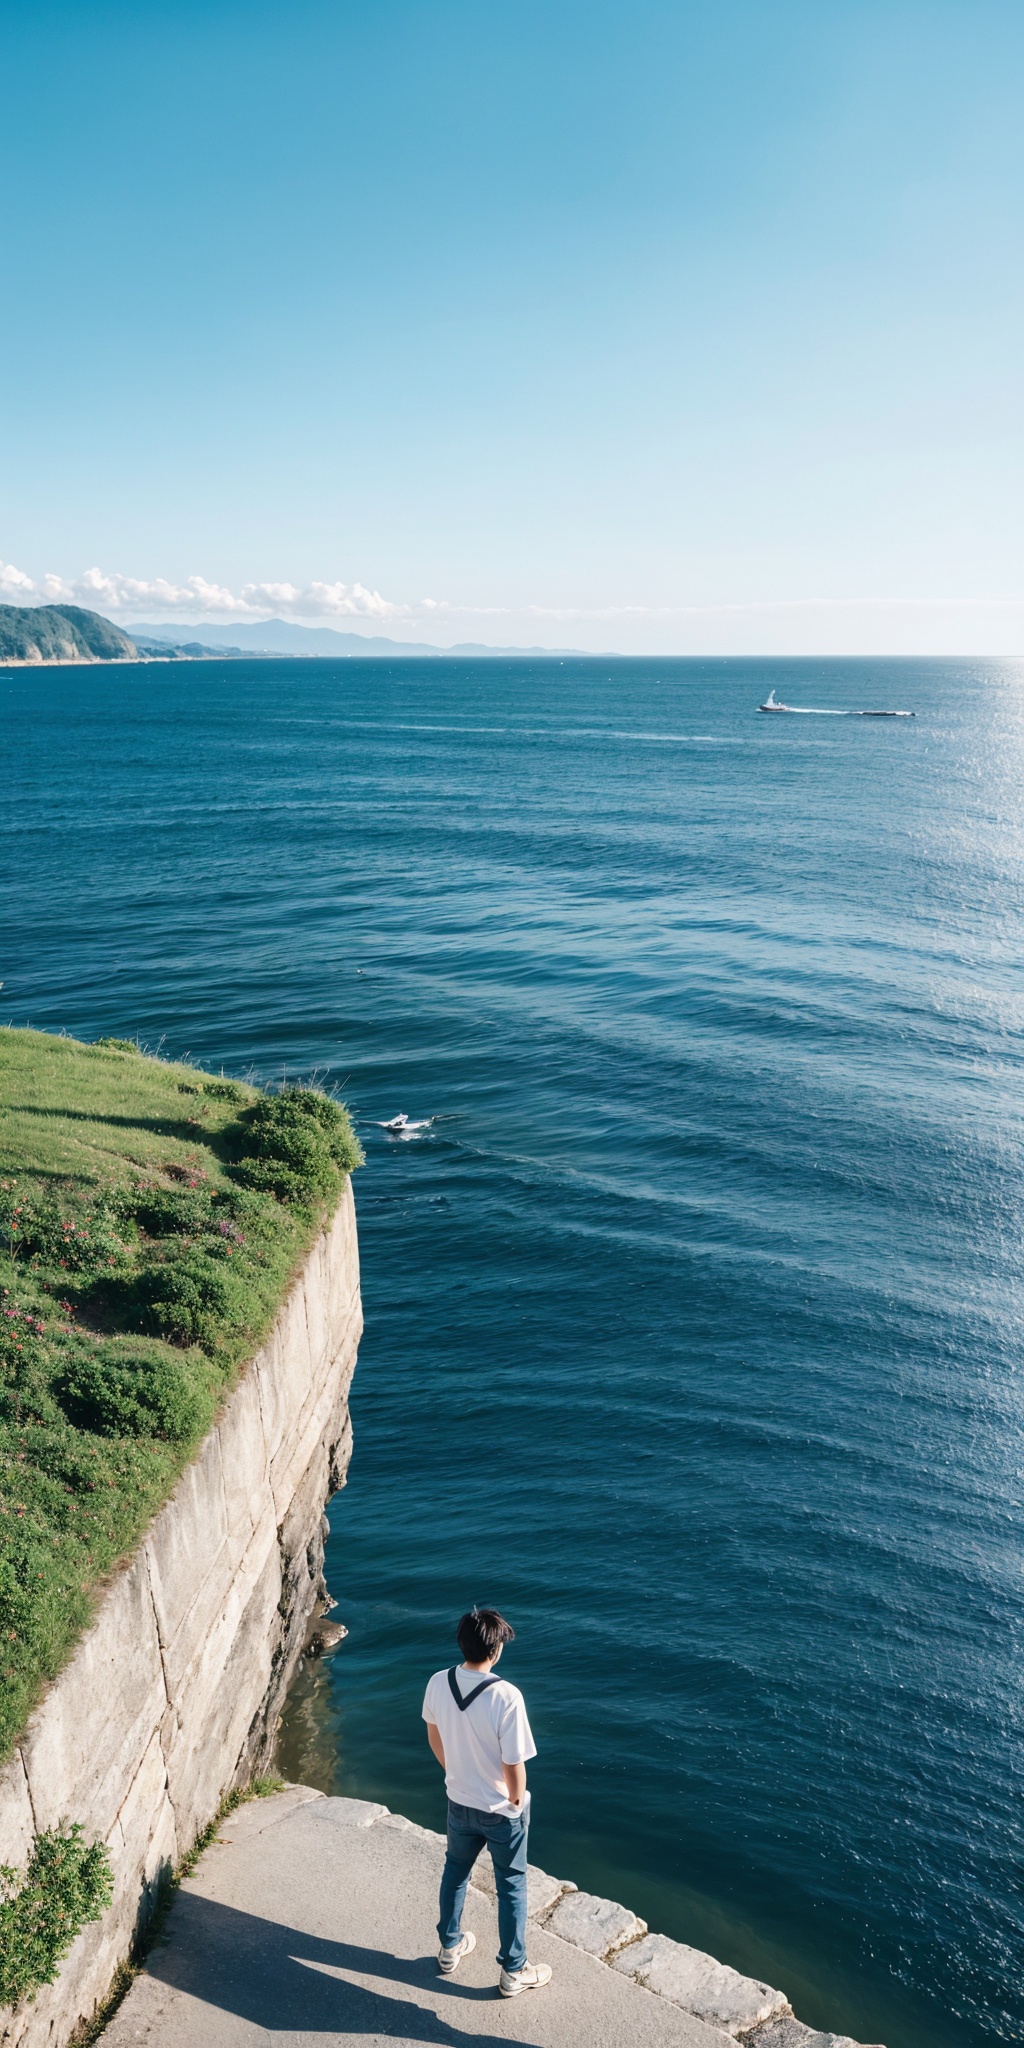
479	1733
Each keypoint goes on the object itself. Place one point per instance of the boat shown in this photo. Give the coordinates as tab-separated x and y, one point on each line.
771	703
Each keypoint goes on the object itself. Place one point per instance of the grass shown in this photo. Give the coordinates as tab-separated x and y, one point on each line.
257	1788
151	1218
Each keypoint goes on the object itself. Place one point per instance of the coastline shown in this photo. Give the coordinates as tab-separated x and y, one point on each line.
127	661
172	1697
306	1909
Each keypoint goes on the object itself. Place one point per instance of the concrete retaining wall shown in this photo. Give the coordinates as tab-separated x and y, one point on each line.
173	1695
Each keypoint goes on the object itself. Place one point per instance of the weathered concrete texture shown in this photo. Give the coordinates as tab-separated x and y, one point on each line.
695	1981
346	1953
318	1932
173	1695
793	2034
598	1925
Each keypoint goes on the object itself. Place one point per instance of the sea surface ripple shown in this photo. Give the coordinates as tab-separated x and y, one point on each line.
694	1323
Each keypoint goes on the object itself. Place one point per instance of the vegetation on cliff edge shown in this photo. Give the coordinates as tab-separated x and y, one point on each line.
150	1220
68	1883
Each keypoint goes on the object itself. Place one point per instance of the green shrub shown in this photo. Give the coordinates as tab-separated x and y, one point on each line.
190	1299
69	1458
300	1145
272	1177
25	1361
168	1212
68	1883
131	1390
74	1237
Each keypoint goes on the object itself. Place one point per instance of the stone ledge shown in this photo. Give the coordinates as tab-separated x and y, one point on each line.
790	2033
351	1813
736	2007
601	1926
411	1827
542	1891
711	1990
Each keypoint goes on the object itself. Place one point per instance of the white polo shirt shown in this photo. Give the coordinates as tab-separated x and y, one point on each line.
477	1740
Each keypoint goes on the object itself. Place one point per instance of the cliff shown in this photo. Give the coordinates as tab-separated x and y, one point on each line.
172	1695
44	633
152	1219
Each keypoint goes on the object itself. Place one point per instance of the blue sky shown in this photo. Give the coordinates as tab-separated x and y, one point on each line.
659	327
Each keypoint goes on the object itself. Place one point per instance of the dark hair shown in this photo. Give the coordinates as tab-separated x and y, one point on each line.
481	1633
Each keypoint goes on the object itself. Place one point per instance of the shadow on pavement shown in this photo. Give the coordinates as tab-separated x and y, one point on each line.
283	1981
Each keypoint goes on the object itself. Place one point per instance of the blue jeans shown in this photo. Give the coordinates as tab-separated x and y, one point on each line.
469	1831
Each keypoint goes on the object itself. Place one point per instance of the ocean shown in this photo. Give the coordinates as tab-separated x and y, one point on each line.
693	1319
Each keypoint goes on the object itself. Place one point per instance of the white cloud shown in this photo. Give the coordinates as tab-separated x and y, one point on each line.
465	611
322	600
196	597
787	625
14	583
132	593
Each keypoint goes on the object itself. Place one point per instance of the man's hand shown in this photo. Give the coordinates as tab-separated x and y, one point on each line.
434	1739
515	1782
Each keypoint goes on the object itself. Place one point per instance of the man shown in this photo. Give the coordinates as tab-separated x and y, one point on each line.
479	1733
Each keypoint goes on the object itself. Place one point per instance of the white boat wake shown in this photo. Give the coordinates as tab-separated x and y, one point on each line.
813	711
404	1127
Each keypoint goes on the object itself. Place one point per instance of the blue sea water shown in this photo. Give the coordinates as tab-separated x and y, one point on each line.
694	1322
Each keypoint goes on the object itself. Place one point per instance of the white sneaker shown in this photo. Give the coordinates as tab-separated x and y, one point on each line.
529	1978
448	1959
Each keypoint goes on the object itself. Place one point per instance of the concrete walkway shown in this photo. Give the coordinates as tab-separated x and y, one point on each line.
311	1921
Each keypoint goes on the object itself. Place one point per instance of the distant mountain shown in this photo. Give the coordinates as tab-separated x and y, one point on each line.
276	636
41	633
280	636
66	633
180	650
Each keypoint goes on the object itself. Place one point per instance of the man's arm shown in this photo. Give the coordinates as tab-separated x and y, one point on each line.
434	1739
515	1780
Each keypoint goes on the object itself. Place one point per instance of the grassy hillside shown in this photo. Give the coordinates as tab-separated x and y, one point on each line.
60	632
150	1219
